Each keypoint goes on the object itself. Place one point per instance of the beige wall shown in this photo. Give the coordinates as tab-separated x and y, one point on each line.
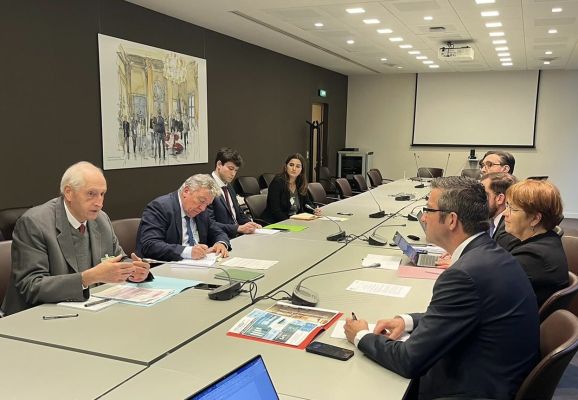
380	119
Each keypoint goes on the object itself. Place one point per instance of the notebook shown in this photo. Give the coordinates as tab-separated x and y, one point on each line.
239	275
250	381
419	258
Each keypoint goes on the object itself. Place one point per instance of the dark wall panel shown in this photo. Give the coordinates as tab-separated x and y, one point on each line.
50	105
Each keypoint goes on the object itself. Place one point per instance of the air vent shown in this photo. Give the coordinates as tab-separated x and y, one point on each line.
437	29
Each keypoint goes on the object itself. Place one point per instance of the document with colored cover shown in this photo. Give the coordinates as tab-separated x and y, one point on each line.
286	227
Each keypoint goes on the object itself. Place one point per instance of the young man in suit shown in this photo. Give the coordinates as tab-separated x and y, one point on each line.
66	245
479	337
225	210
497	161
177	226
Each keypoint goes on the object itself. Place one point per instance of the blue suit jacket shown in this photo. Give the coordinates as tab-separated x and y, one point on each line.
160	233
221	214
480	334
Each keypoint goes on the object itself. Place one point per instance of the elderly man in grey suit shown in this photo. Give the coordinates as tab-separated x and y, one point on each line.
66	245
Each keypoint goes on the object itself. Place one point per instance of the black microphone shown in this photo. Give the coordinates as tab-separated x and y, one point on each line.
376	240
225	292
334	237
447	162
303	296
380	213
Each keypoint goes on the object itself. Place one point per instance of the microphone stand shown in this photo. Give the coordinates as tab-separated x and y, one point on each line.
376	240
334	237
378	214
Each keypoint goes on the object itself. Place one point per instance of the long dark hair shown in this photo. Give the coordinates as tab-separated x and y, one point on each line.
301	181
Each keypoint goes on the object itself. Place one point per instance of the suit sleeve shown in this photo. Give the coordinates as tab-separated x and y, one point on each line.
242	218
217	234
152	235
274	200
31	271
451	316
229	229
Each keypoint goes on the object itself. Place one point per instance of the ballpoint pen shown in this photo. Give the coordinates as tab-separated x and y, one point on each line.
47	317
96	302
354	316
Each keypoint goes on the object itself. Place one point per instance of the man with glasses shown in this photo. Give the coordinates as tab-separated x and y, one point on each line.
467	344
497	161
176	226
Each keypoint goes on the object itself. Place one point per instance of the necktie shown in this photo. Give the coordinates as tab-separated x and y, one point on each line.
228	201
82	229
492	227
190	237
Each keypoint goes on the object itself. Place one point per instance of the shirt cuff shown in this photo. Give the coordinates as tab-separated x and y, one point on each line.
187	252
360	336
408	321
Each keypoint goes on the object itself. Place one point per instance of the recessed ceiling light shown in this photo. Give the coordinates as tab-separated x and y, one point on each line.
383	59
434	66
399	67
405	46
499	41
485	1
421	58
556	9
546	62
319	24
357	10
371	21
495	34
350	41
503	48
427	62
493	25
396	39
504	54
428	18
548	52
490	13
384	30
414	52
505	59
507	64
552	30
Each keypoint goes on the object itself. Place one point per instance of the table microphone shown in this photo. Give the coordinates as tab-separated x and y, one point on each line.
334	237
225	292
376	240
380	213
303	296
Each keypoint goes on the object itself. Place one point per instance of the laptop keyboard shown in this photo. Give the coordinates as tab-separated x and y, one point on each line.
427	260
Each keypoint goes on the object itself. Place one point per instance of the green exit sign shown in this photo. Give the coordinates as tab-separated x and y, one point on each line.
322	93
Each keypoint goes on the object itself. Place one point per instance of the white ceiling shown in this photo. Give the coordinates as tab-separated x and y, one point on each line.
287	27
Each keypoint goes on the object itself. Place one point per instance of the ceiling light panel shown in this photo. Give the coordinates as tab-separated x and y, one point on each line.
355	10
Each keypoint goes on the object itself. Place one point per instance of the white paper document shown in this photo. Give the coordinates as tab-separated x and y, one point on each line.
339	331
385	262
92	304
329	218
266	231
382	289
135	295
250	263
207	261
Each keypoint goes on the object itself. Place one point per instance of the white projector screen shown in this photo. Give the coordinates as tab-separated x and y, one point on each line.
476	109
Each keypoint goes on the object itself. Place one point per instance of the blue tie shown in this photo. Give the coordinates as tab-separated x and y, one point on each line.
191	238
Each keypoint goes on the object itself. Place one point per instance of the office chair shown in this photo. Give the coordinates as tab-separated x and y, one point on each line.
428	172
257	204
125	230
558	344
5	267
475	173
561	299
344	188
247	186
317	194
360	182
570	244
8	218
327	180
265	179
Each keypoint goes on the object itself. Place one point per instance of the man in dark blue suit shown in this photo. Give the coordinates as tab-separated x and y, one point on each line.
225	210
177	226
479	336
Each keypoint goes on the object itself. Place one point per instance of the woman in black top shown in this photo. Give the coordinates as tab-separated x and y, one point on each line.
533	209
287	193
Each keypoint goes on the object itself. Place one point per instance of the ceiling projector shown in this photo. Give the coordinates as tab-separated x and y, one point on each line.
452	53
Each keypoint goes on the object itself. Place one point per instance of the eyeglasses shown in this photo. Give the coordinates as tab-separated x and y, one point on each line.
431	210
509	208
488	164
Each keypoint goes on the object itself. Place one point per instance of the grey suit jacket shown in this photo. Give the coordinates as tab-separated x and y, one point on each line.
44	266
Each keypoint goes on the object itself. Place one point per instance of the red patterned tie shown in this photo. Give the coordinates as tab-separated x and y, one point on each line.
82	229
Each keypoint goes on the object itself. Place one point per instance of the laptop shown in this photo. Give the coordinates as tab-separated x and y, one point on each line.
417	257
249	381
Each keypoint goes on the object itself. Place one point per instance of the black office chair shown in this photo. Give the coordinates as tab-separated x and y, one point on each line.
360	183
344	188
327	180
8	218
125	230
317	194
475	173
5	267
561	299
375	178
247	186
429	172
257	204
265	179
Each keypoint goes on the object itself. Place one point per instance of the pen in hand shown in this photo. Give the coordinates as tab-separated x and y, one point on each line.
354	316
47	317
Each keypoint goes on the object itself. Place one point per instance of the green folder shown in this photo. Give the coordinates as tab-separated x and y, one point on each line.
286	227
240	275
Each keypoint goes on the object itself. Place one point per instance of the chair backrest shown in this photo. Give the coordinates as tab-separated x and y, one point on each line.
256	204
327	180
427	172
265	179
558	344
317	193
561	299
8	218
375	178
247	186
125	230
5	267
475	173
360	182
344	187
570	244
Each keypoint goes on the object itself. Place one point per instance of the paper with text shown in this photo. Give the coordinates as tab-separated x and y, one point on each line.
382	289
250	263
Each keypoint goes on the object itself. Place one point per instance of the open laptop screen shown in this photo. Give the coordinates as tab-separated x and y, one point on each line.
250	381
405	247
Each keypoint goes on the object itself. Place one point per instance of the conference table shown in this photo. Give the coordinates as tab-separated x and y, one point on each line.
158	340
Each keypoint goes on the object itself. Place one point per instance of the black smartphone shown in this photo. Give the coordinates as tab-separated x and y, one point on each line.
327	350
206	286
344	213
